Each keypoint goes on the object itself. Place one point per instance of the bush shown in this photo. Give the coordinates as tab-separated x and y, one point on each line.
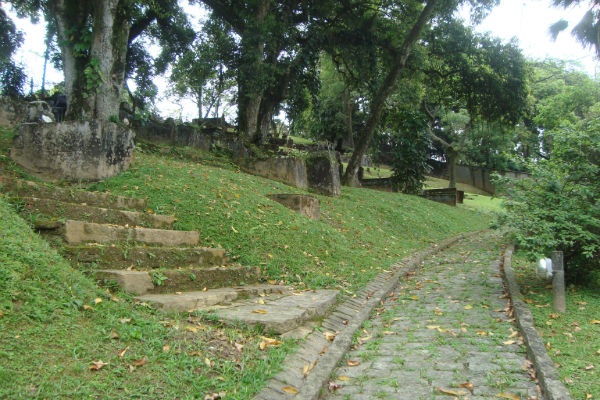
558	208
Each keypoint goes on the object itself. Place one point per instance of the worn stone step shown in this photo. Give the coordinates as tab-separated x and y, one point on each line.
201	300
179	280
78	232
59	209
22	188
118	256
281	313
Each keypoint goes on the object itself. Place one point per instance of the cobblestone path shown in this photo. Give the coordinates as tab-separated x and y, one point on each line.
445	326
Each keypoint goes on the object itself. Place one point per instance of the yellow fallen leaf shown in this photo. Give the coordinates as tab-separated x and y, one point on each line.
289	390
481	333
595	322
139	363
329	336
114	334
467	385
207	361
97	300
414	297
447	391
87	307
344	378
270	255
468	307
509	342
389	333
234	230
433	326
122	352
166	348
508	396
192	329
124	320
266	342
327	348
259	312
442	330
97	365
352	363
272	282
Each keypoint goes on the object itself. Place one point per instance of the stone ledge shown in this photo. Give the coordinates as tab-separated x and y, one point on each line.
547	374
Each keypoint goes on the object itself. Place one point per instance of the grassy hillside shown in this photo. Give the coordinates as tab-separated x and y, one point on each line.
55	321
359	232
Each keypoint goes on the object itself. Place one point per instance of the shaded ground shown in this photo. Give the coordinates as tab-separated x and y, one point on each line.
445	332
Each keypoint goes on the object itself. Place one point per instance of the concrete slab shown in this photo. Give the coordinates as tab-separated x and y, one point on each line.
77	232
284	313
23	188
135	282
122	257
99	215
204	300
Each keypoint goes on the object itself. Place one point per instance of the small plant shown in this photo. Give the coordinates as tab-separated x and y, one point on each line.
158	278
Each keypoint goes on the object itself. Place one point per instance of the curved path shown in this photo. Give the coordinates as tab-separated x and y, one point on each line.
445	332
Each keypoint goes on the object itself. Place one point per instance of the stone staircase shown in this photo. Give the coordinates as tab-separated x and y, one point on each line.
118	241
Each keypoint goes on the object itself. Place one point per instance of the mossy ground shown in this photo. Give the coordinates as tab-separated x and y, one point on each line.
51	328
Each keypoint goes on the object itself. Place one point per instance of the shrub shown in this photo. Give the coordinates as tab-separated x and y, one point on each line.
558	208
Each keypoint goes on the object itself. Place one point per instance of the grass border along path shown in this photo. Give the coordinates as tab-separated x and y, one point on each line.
553	388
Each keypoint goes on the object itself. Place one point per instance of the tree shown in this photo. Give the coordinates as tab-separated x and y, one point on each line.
472	79
276	53
587	30
206	70
558	208
94	37
12	76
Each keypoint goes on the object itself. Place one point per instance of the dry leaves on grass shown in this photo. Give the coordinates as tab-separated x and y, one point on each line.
97	365
215	396
267	342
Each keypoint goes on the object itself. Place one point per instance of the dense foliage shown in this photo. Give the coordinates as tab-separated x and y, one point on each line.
558	208
12	76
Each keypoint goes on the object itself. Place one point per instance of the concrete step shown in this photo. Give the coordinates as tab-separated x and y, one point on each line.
179	280
54	208
78	232
202	300
280	313
22	188
118	256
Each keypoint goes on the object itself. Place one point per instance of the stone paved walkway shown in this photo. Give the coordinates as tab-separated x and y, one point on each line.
444	327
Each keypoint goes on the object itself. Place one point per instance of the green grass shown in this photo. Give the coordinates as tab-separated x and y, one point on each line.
302	140
572	340
48	340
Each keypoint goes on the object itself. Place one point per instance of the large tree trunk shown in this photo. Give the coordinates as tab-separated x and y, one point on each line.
348	139
250	87
95	77
388	86
452	160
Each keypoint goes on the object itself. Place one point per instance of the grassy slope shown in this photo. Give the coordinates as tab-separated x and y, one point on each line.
572	339
361	230
48	340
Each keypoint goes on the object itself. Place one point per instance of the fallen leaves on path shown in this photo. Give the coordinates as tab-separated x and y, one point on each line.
259	312
352	363
329	336
509	396
467	385
308	368
327	348
334	386
344	378
451	392
290	390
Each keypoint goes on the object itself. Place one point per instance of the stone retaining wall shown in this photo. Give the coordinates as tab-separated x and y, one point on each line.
75	150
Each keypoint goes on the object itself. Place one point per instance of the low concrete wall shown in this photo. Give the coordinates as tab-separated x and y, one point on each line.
323	173
75	150
302	204
288	170
446	196
474	176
